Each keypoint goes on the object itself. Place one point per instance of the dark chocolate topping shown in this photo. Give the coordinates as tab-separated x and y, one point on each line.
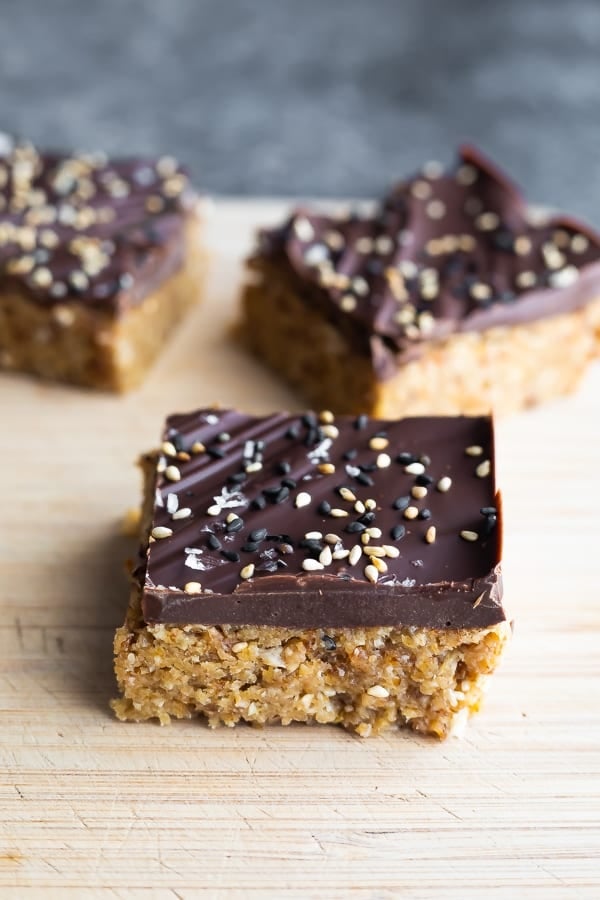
86	228
310	521
443	253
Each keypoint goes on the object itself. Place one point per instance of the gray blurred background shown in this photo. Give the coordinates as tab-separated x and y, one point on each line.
320	97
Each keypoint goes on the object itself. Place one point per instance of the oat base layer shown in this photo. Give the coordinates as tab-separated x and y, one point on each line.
73	343
503	369
366	679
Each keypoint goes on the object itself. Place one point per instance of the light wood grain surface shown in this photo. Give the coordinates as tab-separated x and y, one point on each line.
91	807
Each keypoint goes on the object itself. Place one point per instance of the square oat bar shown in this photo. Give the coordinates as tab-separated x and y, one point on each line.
99	260
313	568
451	297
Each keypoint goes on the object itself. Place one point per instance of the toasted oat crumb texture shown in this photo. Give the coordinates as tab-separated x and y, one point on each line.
317	568
450	297
99	261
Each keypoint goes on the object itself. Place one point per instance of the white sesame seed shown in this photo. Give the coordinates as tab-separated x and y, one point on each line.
231	517
360	507
365	537
483	469
348	303
374	532
338	513
340	554
525	279
192	587
469	535
313	536
360	286
373	551
378	443
247	571
168	448
214	510
411	512
430	534
474	450
325	556
346	494
363	244
480	291
183	513
371	574
326	468
312	565
384	244
391	551
414	468
487	221
251	467
332	538
198	447
421	190
172	503
172	473
41	277
377	690
466	175
579	243
355	554
303	229
161	531
64	315
564	277
435	209
380	564
522	245
330	431
383	461
326	416
418	491
553	258
303	499
370	504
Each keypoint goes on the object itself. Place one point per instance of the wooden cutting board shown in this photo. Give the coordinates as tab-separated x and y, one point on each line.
88	804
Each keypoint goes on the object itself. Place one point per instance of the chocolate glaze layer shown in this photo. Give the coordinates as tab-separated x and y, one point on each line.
291	481
88	229
444	252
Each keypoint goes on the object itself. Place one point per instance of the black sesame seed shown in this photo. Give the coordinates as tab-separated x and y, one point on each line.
310	420
258	534
312	437
234	526
231	555
355	527
365	479
216	452
308	544
259	502
213	542
398	532
176	440
328	642
361	422
237	478
488	511
401	502
368	467
425	514
488	525
324	508
503	239
350	454
260	446
406	458
272	492
290	483
424	480
249	547
293	432
374	266
282	495
367	518
284	468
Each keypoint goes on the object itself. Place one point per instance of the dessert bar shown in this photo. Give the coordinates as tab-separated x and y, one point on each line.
314	568
99	259
450	297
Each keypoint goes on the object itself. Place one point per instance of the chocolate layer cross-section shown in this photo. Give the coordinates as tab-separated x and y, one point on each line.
304	521
95	262
314	568
449	290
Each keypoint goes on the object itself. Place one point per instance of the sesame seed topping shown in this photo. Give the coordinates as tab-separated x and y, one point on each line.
435	209
474	450
312	565
168	448
383	461
355	554
214	510
411	512
487	221
331	538
480	291
198	447
348	303
483	469
161	531
325	557
192	587
378	443
418	491
380	564
391	551
522	245
430	534
302	499
172	473
469	535
414	468
183	513
247	571
338	513
466	175
346	494
579	243
303	229
564	277
371	574
526	279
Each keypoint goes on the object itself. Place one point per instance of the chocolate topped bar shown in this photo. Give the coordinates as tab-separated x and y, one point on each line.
86	228
445	252
314	520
